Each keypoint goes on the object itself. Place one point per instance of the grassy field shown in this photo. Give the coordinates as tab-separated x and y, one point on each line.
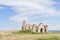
22	36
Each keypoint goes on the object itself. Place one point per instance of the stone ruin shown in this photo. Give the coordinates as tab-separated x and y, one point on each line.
34	28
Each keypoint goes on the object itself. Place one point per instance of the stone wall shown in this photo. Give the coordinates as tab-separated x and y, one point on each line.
34	28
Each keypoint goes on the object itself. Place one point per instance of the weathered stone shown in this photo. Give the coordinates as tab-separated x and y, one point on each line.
34	28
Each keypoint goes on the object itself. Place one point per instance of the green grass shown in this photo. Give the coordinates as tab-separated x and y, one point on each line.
43	38
34	36
50	38
22	32
28	35
26	32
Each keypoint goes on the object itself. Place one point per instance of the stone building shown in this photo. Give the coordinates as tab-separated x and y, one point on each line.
34	28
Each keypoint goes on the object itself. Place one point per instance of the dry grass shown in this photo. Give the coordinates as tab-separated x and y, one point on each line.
10	36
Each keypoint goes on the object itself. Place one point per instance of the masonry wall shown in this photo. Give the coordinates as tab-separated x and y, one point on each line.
46	28
34	28
24	25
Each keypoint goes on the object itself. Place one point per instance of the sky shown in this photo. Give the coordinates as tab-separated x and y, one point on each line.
13	12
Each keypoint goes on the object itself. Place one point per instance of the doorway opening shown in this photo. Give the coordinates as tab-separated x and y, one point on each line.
41	30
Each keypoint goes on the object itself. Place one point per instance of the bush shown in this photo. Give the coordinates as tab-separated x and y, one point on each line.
22	32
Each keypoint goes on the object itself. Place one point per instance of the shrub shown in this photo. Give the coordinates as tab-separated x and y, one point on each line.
22	32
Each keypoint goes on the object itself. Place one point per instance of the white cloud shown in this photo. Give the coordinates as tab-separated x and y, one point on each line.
30	10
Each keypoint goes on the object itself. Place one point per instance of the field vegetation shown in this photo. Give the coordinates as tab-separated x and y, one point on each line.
27	35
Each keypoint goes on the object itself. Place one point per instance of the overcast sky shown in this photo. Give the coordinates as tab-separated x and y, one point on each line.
12	12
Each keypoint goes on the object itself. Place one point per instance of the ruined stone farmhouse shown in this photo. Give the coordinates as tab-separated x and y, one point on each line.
34	28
